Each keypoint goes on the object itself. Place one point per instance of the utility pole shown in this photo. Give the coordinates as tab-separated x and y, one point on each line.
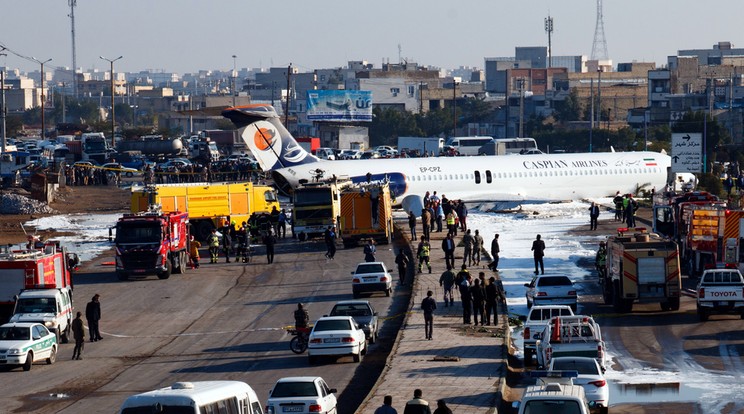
599	97
43	129
521	108
286	112
549	31
591	112
73	4
113	120
234	78
454	106
3	110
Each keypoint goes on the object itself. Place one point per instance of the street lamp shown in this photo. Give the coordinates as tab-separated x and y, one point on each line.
454	106
113	120
42	93
234	76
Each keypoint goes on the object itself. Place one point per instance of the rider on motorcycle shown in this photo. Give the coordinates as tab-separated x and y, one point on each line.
302	318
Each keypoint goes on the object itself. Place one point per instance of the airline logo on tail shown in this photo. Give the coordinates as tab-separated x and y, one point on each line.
274	147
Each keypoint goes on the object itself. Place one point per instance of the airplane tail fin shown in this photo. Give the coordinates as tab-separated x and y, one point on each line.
269	141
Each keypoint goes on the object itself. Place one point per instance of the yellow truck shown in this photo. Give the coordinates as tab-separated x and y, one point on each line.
208	204
366	213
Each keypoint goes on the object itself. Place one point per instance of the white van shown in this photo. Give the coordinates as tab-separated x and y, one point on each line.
49	307
197	397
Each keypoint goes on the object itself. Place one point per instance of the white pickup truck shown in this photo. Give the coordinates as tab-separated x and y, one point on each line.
534	324
576	335
720	291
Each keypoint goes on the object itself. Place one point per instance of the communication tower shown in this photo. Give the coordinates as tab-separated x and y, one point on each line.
599	47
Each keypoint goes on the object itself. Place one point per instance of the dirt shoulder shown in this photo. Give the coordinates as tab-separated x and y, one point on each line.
70	200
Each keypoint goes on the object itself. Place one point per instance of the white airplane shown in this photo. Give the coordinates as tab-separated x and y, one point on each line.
503	178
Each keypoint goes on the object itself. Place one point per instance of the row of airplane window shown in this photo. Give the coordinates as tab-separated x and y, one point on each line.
528	174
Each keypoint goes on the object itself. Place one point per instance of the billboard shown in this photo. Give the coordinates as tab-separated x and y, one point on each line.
339	105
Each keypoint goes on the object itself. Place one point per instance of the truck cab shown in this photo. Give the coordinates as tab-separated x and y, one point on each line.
720	291
554	393
50	307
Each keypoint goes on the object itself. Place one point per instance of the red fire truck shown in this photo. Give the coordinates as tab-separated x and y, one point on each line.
151	242
40	268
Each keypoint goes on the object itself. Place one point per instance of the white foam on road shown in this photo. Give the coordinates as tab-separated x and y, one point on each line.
89	231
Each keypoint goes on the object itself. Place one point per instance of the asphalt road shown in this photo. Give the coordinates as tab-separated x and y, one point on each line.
222	321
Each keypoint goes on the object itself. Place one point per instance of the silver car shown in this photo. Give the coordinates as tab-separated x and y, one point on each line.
362	312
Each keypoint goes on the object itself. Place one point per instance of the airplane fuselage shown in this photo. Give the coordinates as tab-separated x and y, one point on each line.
547	177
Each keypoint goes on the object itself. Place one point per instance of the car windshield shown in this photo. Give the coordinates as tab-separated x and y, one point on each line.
36	305
332	325
583	366
12	333
351	310
552	407
554	281
294	389
138	233
369	268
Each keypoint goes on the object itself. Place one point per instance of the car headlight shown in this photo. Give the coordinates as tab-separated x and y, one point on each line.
14	351
49	324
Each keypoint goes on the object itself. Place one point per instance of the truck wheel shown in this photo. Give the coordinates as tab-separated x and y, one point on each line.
52	356
674	304
29	361
168	270
122	276
58	334
664	306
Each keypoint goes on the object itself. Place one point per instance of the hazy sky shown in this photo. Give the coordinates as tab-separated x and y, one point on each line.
188	35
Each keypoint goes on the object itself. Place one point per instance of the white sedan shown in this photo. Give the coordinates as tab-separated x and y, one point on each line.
336	336
590	377
23	343
301	395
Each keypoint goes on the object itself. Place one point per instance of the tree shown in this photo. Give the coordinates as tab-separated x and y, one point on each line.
388	124
569	109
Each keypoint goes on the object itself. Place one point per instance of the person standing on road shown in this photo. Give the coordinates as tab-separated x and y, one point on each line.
423	253
330	241
448	247
593	216
495	253
417	405
93	316
282	224
270	240
618	201
426	222
477	247
428	305
447	281
402	261
467	241
442	408
226	242
538	251
412	224
492	294
214	246
369	251
451	223
78	332
463	283
194	246
387	406
478	294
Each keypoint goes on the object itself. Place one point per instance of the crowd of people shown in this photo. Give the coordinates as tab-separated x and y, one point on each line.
196	172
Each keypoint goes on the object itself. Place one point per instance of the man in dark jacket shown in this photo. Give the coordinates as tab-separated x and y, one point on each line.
270	240
463	283
593	216
93	315
448	246
402	261
538	251
330	241
495	249
428	305
78	332
478	293
226	241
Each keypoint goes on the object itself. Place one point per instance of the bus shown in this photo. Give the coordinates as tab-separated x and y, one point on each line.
197	397
509	146
468	145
